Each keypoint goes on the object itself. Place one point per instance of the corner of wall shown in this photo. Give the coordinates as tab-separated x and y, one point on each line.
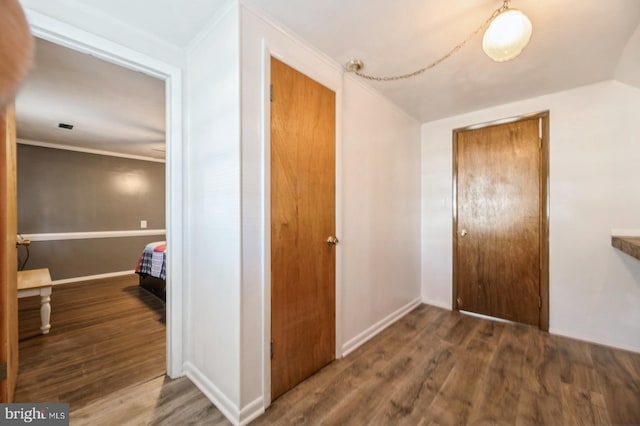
628	68
211	391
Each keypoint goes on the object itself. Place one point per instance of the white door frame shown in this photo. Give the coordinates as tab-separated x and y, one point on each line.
69	36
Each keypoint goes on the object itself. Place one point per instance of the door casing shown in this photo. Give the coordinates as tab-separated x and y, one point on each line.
544	209
61	33
312	66
299	227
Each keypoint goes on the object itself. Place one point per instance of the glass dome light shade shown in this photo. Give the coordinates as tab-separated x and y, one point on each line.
507	35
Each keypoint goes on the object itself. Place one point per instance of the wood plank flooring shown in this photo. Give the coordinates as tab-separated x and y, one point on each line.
431	367
160	401
440	367
105	335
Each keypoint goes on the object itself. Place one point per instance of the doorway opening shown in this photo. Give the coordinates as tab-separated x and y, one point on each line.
129	173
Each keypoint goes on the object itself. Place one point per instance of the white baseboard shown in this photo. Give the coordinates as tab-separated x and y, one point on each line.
437	304
215	395
376	328
575	336
625	232
251	411
92	277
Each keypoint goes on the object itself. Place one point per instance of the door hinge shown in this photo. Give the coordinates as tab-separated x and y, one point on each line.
3	371
271	92
539	302
272	349
459	300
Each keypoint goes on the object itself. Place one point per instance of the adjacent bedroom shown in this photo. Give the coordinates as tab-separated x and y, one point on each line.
91	223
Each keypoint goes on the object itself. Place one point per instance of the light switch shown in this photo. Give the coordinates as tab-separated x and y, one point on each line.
143	224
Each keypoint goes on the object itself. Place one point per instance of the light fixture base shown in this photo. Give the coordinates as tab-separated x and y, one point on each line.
354	65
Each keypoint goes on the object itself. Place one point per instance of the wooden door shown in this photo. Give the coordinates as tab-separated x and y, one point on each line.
499	221
302	218
8	257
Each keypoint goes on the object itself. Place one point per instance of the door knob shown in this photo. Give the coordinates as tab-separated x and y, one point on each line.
463	232
332	241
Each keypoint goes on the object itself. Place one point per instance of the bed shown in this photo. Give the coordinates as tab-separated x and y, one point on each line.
152	268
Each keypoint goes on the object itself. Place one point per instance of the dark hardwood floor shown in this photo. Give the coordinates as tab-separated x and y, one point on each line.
439	367
431	367
105	336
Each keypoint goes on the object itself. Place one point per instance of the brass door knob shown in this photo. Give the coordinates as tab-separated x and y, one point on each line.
333	241
463	232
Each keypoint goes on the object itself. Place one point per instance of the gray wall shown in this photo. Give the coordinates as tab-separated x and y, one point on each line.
64	191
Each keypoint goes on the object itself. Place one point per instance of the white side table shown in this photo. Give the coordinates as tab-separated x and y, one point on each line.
37	282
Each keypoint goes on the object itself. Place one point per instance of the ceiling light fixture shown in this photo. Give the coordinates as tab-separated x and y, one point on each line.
508	32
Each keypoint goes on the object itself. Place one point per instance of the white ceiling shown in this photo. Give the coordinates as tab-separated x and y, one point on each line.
112	108
175	22
575	42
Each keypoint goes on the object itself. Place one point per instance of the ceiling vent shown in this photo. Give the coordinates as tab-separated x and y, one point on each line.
65	126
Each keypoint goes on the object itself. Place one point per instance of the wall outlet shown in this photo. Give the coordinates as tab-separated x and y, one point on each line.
143	224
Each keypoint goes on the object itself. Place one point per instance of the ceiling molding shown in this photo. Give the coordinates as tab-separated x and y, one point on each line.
210	26
89	151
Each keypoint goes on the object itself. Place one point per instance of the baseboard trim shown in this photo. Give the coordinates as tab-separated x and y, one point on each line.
251	411
211	391
625	232
92	277
437	304
591	340
376	328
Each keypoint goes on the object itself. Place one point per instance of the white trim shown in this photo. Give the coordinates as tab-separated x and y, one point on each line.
437	304
582	338
265	140
251	411
376	328
625	233
292	36
92	277
72	37
338	221
211	25
88	150
62	236
211	391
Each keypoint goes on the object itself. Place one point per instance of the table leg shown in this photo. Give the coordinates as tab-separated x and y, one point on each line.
45	309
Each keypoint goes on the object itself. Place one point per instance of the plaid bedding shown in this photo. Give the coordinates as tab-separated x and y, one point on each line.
152	261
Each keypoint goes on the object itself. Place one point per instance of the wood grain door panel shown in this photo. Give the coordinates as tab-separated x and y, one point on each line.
8	254
302	217
498	229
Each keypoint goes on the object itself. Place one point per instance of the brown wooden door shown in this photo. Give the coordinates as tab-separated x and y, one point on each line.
8	255
302	218
497	242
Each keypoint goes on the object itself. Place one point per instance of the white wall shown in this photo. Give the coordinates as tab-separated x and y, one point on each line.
594	175
212	199
260	40
378	195
381	213
628	70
